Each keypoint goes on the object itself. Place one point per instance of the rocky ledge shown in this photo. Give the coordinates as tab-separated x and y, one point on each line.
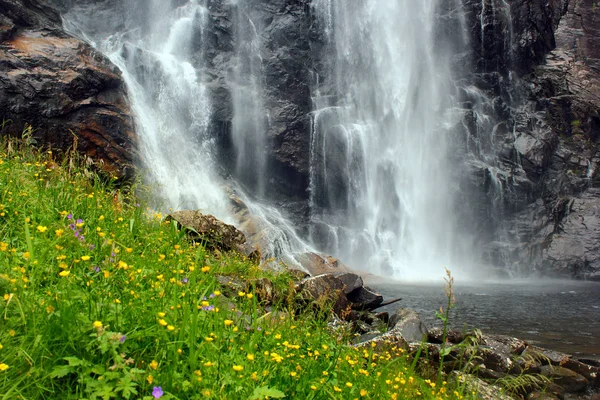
68	94
494	366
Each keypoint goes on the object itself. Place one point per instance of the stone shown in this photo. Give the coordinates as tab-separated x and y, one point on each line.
589	372
452	336
324	290
569	380
70	95
351	281
364	298
484	390
546	356
212	232
541	396
317	264
407	324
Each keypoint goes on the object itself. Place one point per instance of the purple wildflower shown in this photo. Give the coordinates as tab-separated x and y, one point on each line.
79	221
259	329
70	216
92	246
204	298
72	227
123	338
212	295
97	268
76	234
208	308
157	392
184	280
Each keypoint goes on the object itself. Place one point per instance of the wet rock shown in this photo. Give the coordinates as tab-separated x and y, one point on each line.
324	290
589	372
264	290
452	336
514	345
569	380
408	324
484	390
209	230
546	356
317	264
365	298
231	285
351	281
542	396
383	317
297	274
70	94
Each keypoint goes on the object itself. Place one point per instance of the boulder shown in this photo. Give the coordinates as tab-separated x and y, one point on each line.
68	94
407	324
452	336
365	298
324	290
589	372
351	281
569	380
317	264
546	356
212	232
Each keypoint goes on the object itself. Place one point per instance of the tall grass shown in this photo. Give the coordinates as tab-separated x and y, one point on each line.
101	299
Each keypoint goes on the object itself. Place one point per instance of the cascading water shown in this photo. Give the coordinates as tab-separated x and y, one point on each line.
163	65
249	121
171	105
381	188
385	157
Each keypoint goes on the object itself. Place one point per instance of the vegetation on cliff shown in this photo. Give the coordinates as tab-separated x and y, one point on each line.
100	298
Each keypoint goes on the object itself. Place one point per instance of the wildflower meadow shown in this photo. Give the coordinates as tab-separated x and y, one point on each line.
100	298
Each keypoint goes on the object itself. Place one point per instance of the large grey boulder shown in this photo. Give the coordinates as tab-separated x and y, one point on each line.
70	94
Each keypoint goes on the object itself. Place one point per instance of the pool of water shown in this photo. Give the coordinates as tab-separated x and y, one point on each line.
559	315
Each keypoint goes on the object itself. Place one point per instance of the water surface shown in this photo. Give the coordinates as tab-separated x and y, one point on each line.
559	315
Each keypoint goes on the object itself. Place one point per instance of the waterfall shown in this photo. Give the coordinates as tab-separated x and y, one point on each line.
381	184
172	108
398	128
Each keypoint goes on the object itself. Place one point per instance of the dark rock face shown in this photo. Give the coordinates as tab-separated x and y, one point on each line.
536	64
284	29
69	94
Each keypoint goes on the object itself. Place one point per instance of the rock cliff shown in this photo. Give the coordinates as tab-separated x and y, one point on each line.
69	94
527	73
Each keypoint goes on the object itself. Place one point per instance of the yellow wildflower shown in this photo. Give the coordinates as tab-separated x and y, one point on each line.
228	322
85	258
64	273
238	368
3	367
41	228
97	324
153	364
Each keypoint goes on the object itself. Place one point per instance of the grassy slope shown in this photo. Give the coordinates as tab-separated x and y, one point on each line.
101	299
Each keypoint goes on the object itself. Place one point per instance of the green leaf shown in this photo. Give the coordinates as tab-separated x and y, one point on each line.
445	351
74	361
265	391
61	371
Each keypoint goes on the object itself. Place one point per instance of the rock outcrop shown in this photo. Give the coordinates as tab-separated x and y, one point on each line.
533	182
68	93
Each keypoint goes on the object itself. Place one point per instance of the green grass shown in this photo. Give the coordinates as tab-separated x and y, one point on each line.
101	299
